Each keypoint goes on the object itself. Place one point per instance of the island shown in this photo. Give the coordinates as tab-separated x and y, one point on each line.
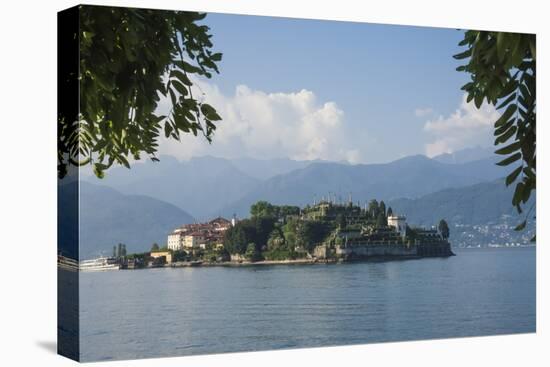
324	232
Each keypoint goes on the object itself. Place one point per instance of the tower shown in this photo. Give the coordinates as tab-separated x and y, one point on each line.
399	223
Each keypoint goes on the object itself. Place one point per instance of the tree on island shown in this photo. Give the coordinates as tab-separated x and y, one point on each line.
310	233
179	255
253	230
253	253
443	229
237	238
276	239
390	212
286	210
502	67
263	209
373	209
381	221
411	233
341	221
155	247
382	208
129	58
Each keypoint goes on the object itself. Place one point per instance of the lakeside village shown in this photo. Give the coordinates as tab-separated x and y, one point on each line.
324	232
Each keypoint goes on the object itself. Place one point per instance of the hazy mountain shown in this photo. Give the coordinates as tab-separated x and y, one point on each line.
108	217
466	155
199	185
263	169
478	215
207	187
409	177
482	203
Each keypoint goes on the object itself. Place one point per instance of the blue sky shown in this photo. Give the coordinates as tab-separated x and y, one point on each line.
393	90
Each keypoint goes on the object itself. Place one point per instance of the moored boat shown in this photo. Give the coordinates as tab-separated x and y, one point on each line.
67	263
99	264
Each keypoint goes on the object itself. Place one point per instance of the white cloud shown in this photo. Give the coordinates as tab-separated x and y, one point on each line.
467	126
270	125
423	112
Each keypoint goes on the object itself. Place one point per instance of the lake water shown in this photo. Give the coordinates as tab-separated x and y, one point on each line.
169	312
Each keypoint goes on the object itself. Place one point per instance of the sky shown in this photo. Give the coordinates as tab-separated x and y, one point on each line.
338	91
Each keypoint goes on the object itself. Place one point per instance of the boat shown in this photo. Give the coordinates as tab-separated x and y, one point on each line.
67	263
99	264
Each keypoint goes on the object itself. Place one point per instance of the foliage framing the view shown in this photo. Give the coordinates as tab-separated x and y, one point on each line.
503	70
128	59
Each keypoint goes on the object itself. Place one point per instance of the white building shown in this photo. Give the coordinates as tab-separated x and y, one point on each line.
398	222
175	240
190	236
183	240
192	240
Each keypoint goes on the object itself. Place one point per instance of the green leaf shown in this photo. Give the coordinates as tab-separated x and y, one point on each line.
501	45
512	176
533	49
173	97
157	119
478	100
506	115
181	122
123	161
99	170
509	148
526	194
167	129
524	91
502	129
463	55
530	82
521	226
216	57
185	66
517	194
506	101
529	173
180	88
510	159
181	77
210	112
510	87
507	135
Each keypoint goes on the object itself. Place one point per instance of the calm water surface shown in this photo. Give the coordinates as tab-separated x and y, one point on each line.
167	312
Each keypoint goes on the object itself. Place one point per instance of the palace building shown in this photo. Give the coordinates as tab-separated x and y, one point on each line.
197	235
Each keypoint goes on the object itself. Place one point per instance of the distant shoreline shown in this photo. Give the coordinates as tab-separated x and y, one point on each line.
237	264
271	262
231	264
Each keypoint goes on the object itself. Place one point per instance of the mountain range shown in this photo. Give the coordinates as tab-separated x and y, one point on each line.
208	186
483	203
141	205
198	186
108	217
409	177
466	155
